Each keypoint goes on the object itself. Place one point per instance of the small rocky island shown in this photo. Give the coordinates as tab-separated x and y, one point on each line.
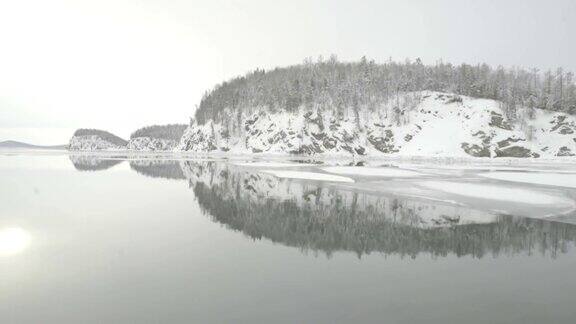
95	140
151	138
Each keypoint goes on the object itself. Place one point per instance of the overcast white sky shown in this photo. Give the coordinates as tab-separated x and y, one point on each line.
122	64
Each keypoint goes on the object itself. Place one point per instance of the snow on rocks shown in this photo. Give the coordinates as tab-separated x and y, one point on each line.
151	144
92	143
427	124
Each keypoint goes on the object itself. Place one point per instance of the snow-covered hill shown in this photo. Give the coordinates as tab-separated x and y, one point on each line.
97	143
151	138
415	124
95	140
146	143
92	143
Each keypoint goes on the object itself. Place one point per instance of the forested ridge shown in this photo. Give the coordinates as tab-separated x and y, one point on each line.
330	84
168	132
102	134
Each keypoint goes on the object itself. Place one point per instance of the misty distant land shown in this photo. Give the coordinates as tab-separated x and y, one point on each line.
26	146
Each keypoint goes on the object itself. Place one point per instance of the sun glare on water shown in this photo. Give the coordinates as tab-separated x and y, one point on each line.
13	240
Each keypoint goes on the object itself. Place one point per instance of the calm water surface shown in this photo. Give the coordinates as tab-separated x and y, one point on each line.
114	240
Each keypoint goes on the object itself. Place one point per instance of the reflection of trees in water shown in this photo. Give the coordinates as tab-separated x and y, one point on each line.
325	219
92	163
167	169
313	217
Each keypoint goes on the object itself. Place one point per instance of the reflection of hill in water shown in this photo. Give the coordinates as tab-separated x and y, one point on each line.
312	217
167	169
92	163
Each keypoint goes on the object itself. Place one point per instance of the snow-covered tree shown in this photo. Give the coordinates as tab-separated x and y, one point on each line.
353	87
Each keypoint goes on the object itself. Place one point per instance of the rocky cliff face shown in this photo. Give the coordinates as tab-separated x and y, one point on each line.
416	124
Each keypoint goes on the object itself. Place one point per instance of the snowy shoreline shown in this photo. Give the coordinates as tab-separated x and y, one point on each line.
321	157
324	159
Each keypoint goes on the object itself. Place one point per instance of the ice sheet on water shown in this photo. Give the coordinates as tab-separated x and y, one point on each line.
369	171
542	178
271	164
497	192
308	175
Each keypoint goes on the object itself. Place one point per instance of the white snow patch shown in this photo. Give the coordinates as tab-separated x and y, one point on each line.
308	175
366	171
494	192
551	179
